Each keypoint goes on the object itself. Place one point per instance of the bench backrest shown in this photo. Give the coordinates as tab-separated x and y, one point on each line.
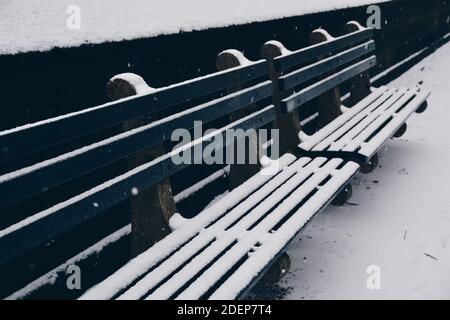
324	66
26	182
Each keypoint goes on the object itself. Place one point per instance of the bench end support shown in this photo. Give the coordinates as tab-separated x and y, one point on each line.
150	209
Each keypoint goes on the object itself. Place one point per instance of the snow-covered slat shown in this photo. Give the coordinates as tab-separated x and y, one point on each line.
309	119
357	117
30	138
43	226
321	67
26	182
312	52
303	96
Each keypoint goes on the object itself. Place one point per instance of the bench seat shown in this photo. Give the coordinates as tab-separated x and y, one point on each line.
362	129
223	252
94	189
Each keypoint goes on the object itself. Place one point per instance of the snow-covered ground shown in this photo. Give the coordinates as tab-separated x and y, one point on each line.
36	25
399	219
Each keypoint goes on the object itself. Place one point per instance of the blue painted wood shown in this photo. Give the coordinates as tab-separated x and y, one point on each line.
300	98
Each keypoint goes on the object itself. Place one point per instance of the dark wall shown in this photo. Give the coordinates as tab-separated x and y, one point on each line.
36	86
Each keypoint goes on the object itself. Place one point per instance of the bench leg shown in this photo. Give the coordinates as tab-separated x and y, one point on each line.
277	271
400	132
422	108
371	165
343	196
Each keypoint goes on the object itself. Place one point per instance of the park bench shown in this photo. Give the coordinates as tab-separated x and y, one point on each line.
375	115
228	246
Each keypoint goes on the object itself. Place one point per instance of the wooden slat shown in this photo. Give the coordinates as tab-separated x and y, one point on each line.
356	135
42	227
349	132
310	142
43	134
291	103
21	184
239	218
322	67
370	125
301	56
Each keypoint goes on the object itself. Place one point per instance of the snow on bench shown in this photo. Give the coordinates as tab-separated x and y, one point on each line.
220	253
24	235
224	250
241	92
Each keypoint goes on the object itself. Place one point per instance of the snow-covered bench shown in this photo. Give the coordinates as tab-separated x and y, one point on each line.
225	250
375	114
221	253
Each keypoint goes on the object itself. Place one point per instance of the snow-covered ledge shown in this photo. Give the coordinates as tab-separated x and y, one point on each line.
40	25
